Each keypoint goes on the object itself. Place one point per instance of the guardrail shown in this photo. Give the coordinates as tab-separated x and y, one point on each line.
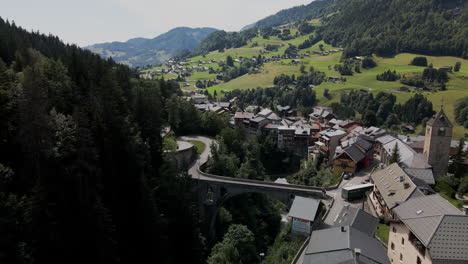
294	186
299	252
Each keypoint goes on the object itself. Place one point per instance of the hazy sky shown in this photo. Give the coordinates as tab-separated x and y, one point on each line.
87	22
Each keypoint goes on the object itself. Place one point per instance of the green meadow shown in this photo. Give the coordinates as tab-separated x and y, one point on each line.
457	87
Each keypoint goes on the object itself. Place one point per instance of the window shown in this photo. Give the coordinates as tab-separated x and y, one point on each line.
392	246
394	229
418	260
441	132
402	241
401	257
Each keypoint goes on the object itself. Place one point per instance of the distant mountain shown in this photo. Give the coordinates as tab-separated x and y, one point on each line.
142	51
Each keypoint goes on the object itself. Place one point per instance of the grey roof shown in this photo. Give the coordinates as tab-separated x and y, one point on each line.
357	218
335	245
408	156
304	208
354	153
257	119
425	175
333	133
439	225
393	190
363	144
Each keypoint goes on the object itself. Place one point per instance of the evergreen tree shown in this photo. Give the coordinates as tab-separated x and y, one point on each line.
395	157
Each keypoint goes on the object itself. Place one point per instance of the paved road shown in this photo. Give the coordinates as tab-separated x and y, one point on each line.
340	202
196	174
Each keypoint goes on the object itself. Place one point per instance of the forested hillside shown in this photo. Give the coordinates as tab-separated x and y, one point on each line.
82	175
315	9
141	51
433	27
386	28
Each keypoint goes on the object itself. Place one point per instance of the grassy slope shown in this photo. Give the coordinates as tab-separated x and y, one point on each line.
457	87
199	145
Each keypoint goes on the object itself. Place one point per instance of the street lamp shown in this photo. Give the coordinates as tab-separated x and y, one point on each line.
262	257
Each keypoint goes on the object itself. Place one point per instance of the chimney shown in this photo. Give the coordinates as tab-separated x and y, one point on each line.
343	229
357	253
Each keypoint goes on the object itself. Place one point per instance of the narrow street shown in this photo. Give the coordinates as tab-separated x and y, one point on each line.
339	202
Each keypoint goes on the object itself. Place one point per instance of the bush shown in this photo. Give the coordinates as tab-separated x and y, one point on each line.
389	76
368	62
383	219
419	61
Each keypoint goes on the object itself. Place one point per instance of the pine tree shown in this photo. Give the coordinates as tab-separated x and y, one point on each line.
395	157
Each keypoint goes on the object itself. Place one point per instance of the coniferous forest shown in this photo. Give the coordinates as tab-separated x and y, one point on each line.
82	175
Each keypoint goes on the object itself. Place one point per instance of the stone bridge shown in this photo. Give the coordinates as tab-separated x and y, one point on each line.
213	191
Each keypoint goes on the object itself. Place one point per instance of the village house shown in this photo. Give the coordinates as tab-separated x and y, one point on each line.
328	142
356	218
199	99
393	186
322	114
344	244
354	157
428	230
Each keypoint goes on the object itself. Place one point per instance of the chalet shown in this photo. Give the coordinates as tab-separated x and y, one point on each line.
428	230
404	89
446	68
354	157
241	117
322	114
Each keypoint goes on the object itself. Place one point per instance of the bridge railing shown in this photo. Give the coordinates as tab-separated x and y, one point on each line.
295	186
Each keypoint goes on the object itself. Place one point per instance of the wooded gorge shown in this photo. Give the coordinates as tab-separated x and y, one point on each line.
82	177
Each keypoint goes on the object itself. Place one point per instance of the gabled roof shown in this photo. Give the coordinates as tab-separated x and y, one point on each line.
274	117
339	244
354	153
439	225
440	120
363	144
357	218
304	208
394	185
425	175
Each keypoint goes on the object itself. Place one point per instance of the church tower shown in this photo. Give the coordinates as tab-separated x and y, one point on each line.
437	143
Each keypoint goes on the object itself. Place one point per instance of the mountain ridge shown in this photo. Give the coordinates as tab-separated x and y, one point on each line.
138	52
